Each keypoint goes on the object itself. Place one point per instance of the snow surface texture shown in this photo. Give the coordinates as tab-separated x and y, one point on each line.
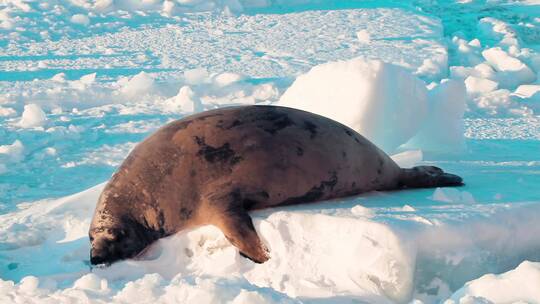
83	81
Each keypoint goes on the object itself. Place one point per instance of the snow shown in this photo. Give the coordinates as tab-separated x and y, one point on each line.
518	285
83	82
32	117
511	70
80	19
366	95
363	36
478	86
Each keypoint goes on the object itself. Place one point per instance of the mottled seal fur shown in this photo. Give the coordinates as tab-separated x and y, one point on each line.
214	167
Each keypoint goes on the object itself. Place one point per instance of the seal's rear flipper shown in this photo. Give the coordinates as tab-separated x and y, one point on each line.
236	225
428	177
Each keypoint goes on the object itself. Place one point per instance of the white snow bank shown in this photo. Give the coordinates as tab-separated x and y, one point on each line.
521	285
342	252
140	93
32	117
312	256
383	102
151	288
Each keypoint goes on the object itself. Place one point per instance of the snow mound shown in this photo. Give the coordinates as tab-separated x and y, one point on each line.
516	286
381	101
32	117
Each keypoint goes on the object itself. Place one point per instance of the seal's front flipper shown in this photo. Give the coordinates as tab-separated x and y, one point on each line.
236	225
428	177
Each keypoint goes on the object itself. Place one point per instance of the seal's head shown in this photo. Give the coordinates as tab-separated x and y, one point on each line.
115	243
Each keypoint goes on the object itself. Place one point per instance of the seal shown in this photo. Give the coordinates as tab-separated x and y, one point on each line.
214	167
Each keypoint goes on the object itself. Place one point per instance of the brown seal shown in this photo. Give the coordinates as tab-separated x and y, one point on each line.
214	167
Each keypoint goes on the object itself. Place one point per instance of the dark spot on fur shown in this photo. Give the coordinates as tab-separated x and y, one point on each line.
381	164
299	151
183	124
315	193
311	128
348	132
185	214
220	154
236	123
344	154
206	116
193	173
279	121
352	134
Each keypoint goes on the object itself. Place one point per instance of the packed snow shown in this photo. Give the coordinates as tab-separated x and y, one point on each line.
453	84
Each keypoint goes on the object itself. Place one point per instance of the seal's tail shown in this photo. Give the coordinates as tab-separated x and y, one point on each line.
428	177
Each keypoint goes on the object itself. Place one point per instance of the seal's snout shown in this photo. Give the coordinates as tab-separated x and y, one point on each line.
97	258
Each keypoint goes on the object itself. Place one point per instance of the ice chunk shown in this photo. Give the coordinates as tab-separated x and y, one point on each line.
511	71
442	130
80	19
385	265
363	36
477	86
499	103
408	159
196	76
32	117
90	282
6	112
138	84
408	208
29	285
13	153
498	30
451	195
381	101
434	67
362	211
168	7
225	79
516	286
531	92
185	101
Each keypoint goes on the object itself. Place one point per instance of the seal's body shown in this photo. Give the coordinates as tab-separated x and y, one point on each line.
213	167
